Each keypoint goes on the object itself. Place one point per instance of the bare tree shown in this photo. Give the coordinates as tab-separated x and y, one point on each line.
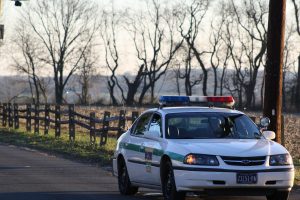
64	29
233	80
251	19
288	66
29	62
110	26
157	31
297	18
219	53
86	71
133	83
187	72
176	70
153	36
190	19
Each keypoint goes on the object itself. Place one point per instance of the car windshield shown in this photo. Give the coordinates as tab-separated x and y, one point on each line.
210	126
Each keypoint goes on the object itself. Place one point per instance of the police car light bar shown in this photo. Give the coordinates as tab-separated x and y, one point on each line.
226	101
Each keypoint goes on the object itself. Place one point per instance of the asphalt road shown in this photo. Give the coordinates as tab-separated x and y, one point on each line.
26	174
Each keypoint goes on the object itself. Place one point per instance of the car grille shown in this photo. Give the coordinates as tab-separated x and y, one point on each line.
244	161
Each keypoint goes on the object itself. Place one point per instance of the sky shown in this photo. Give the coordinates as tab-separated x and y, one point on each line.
10	16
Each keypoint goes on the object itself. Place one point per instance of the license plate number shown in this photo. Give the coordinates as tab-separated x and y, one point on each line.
246	178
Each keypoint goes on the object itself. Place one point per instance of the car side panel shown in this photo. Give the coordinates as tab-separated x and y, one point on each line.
153	154
134	158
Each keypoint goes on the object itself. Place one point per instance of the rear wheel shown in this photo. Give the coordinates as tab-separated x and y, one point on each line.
168	184
279	195
124	183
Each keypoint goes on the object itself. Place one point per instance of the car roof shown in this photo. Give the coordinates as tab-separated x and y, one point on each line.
167	110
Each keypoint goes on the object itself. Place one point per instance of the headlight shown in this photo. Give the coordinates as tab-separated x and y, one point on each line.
279	160
200	159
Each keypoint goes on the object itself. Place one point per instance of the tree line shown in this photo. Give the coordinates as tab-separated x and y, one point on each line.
218	46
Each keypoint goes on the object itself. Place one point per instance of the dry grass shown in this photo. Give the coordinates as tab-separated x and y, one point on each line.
292	135
297	172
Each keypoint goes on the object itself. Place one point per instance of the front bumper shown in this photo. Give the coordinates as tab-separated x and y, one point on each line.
192	179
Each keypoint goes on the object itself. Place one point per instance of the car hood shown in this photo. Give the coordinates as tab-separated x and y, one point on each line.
230	147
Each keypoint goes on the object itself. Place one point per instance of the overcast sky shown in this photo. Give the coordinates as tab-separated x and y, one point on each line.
10	15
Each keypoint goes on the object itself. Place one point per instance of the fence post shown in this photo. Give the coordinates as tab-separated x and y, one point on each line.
134	116
47	119
122	122
28	117
92	128
103	137
36	119
4	115
10	116
71	123
16	116
57	121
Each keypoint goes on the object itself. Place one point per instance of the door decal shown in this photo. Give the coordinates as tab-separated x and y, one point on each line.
148	159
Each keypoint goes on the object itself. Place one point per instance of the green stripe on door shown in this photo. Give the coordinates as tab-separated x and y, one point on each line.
175	156
156	152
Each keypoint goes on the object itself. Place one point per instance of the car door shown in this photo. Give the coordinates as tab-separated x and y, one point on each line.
153	152
135	151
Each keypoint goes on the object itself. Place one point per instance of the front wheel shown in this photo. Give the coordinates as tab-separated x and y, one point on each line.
279	195
169	186
124	183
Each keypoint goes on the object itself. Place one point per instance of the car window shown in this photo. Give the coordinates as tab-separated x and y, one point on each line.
210	125
142	124
156	124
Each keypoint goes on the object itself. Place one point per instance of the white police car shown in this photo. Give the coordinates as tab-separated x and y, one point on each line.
204	150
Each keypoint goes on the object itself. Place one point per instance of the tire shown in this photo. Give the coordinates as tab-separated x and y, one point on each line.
279	195
168	184
124	183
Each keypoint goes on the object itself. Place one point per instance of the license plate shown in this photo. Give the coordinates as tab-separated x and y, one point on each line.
246	178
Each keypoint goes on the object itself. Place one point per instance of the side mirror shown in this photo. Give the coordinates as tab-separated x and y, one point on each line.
270	135
265	122
152	134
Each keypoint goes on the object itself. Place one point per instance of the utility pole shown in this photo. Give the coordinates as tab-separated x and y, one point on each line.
1	25
274	67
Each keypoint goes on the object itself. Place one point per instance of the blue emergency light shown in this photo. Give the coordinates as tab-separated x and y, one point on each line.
167	100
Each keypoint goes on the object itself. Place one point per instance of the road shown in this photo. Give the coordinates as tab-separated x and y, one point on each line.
33	175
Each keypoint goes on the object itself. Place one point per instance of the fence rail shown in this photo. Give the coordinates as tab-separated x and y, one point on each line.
54	116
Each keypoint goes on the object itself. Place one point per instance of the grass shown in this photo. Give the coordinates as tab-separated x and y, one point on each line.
80	149
297	172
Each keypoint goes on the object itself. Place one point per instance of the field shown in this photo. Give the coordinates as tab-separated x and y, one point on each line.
292	135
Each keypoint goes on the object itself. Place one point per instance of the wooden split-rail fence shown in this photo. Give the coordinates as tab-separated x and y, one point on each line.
53	116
